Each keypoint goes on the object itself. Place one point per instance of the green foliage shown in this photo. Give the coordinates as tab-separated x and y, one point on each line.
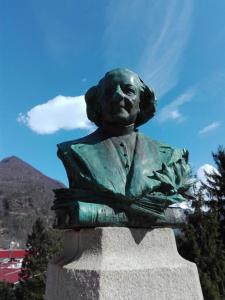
42	244
203	241
6	291
215	187
203	245
216	181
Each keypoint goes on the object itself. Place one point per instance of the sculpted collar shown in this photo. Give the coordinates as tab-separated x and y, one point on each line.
113	130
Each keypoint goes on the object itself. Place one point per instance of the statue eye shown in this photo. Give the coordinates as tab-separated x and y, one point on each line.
127	89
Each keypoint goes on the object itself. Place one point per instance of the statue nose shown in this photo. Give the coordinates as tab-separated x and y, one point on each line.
118	95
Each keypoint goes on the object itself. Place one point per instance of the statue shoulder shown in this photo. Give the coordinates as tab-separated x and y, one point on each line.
167	153
173	154
89	139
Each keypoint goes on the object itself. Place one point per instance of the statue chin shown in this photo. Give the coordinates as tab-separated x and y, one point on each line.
119	120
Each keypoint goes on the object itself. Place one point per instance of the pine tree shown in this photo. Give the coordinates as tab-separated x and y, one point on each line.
215	186
216	181
41	245
202	244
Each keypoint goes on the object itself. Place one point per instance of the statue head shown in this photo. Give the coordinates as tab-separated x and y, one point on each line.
120	98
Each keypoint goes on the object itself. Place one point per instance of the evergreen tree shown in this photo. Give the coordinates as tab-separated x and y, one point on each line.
204	236
216	181
41	245
6	291
202	244
215	186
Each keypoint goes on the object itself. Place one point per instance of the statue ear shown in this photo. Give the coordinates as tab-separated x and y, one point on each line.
93	108
149	99
147	104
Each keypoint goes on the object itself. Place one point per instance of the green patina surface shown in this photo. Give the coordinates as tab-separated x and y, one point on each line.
118	176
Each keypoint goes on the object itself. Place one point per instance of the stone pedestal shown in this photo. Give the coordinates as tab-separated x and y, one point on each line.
113	263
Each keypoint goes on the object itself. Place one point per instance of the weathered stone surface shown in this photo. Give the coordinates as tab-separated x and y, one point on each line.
121	263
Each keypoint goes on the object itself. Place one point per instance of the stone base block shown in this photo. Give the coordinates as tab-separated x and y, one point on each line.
113	263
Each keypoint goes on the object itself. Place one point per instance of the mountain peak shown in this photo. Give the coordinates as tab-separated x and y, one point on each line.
14	168
10	159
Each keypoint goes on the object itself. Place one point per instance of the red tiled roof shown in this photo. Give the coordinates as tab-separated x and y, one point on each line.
12	253
9	275
9	271
10	266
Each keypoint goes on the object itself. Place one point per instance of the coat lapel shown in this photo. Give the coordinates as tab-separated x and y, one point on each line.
104	165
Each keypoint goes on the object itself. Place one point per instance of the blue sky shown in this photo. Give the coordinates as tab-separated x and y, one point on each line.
53	51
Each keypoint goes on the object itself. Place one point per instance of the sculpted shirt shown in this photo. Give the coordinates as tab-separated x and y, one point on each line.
125	146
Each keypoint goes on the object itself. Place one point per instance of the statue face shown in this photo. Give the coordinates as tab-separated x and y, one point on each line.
120	97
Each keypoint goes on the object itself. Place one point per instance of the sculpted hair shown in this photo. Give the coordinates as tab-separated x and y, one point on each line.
147	103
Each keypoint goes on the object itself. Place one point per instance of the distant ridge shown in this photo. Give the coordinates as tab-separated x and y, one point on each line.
10	168
25	195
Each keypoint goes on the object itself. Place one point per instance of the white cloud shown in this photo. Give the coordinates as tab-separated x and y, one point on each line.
61	112
171	111
207	168
156	32
209	128
161	59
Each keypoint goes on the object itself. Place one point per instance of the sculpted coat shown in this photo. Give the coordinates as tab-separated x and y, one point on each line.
99	173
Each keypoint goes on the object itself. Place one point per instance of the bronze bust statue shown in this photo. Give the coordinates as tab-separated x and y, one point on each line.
118	176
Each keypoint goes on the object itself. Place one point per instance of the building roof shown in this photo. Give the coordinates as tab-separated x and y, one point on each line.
12	253
9	273
10	264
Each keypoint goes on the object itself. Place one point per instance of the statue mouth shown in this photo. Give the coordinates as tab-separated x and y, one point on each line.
118	109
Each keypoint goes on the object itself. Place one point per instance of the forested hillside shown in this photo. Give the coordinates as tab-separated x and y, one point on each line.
25	195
